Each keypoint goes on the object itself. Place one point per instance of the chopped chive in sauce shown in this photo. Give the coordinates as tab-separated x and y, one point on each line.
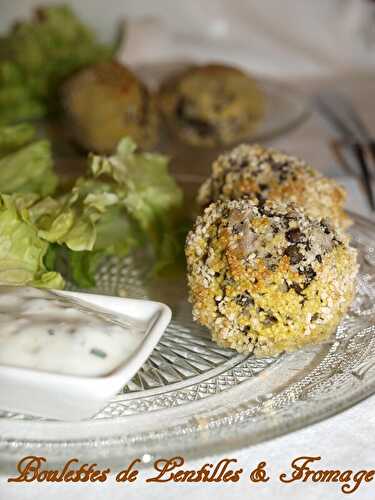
98	353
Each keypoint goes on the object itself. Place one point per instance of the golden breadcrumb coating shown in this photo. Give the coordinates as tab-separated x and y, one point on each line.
266	278
106	102
256	171
211	105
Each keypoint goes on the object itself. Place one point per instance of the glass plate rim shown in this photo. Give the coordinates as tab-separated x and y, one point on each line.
235	440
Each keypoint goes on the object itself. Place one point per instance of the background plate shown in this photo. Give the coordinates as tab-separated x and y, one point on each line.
194	398
285	107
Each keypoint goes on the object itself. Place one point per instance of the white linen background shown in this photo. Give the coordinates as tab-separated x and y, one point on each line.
274	37
286	39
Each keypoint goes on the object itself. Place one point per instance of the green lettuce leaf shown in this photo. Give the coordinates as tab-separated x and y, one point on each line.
65	221
28	169
37	55
132	202
14	137
145	189
126	201
36	231
82	267
22	251
116	234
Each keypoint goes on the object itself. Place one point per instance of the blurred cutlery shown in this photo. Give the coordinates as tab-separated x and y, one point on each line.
355	136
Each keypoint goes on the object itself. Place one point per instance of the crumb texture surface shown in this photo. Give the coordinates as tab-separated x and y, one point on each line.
211	105
255	171
105	102
264	277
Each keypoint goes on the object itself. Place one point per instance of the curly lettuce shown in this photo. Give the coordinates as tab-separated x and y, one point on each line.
25	166
22	250
33	229
14	137
142	184
37	55
139	202
126	201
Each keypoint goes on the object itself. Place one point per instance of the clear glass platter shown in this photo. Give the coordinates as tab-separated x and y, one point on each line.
194	398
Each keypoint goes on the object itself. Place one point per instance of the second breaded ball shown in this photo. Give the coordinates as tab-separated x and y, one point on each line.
106	102
211	105
256	171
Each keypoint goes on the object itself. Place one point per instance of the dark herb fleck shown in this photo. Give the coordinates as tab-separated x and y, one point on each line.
261	199
325	227
244	299
98	353
309	273
294	235
294	254
237	228
202	127
297	288
270	319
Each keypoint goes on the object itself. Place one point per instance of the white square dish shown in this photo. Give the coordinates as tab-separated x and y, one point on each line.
73	397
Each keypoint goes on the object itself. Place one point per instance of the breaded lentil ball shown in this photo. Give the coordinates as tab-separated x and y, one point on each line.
264	173
266	278
211	105
106	102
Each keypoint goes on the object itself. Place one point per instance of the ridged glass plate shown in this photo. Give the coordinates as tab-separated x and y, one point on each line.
194	398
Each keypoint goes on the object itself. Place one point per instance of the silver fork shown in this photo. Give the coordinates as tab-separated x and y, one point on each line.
355	136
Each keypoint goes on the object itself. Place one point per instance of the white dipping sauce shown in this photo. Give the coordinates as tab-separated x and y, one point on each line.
41	330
